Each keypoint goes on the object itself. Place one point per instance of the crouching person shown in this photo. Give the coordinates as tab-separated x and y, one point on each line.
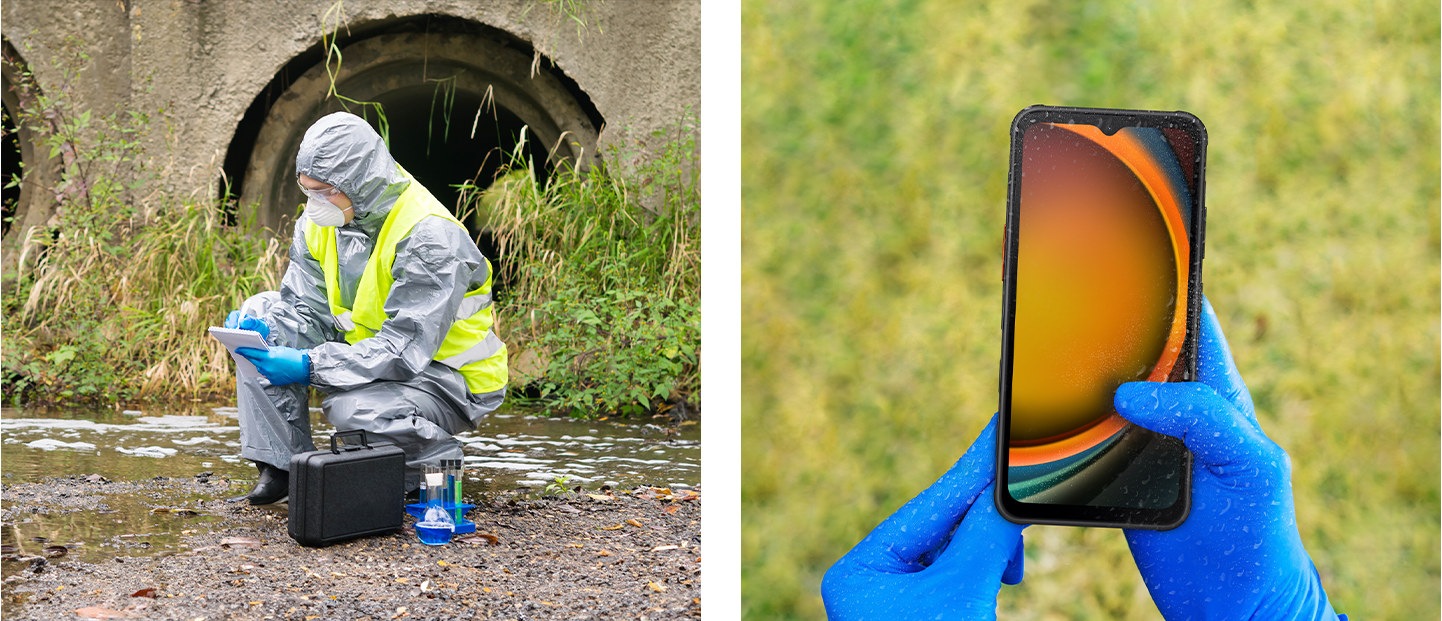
385	308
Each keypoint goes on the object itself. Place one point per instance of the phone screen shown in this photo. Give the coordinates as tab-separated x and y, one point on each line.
1103	227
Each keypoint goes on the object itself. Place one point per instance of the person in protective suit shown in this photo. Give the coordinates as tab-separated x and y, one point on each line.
385	308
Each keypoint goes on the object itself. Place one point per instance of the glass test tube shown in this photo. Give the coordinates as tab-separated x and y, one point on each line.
460	474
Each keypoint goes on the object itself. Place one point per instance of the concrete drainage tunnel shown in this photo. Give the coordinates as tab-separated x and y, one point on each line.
457	98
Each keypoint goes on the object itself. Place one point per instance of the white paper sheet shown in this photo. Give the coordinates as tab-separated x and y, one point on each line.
233	339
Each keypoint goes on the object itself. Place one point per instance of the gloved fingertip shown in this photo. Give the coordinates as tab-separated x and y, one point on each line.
1128	395
1153	405
981	540
1016	566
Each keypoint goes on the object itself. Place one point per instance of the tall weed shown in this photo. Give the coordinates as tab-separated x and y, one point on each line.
602	274
116	302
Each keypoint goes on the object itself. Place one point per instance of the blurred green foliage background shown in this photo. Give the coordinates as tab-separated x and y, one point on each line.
874	174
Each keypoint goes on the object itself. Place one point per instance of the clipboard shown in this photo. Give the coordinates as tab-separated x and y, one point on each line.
234	339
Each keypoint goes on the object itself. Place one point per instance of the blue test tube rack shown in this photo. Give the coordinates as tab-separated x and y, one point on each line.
463	525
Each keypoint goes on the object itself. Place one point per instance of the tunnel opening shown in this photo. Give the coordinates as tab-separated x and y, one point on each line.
456	95
26	168
432	138
13	167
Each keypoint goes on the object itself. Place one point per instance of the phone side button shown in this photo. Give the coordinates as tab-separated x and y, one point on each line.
1005	235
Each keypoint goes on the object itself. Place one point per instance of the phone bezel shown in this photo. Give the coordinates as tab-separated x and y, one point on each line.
1106	119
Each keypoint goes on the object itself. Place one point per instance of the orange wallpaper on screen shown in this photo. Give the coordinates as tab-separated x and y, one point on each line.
1101	265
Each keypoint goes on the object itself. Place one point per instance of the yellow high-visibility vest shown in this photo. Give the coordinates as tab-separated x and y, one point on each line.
470	346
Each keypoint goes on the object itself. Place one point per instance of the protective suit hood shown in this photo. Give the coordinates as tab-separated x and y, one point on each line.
343	150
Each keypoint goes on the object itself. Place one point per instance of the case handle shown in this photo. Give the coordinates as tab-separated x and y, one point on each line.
355	432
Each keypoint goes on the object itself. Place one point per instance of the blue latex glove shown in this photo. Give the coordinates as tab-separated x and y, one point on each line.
280	365
943	555
240	321
1238	554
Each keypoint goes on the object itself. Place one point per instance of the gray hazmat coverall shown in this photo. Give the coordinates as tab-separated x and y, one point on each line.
388	385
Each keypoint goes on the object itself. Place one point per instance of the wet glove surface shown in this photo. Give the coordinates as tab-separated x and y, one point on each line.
1238	555
913	566
280	365
237	320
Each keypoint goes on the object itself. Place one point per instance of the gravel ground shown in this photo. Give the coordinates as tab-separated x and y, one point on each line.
596	554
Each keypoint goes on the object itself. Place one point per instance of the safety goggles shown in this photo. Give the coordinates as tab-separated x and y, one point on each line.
320	195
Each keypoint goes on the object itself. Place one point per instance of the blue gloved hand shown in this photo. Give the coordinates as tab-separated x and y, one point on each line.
237	320
280	365
943	555
1238	555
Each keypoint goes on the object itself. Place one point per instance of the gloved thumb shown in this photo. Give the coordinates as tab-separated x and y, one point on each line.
233	319
1213	429
986	547
1016	567
252	354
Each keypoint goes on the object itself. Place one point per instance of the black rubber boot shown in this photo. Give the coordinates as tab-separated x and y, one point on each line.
259	468
273	486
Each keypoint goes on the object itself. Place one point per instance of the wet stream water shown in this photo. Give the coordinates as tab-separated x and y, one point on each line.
513	448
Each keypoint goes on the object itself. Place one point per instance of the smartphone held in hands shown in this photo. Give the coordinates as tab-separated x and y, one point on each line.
1105	223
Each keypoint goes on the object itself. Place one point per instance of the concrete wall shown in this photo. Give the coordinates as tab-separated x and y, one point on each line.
205	61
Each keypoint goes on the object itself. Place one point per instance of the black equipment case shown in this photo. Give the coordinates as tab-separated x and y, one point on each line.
346	492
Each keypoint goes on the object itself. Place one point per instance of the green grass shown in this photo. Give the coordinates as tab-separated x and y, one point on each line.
874	172
137	300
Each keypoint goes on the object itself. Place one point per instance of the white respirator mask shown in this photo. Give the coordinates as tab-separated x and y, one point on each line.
320	210
323	213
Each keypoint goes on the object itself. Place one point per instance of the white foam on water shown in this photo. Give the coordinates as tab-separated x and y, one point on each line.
147	451
505	465
513	459
196	440
50	444
150	424
177	421
502	439
644	462
581	467
549	476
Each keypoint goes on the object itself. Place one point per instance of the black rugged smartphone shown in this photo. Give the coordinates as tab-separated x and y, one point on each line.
1102	272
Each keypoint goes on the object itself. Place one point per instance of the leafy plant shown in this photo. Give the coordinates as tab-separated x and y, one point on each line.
558	485
602	277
